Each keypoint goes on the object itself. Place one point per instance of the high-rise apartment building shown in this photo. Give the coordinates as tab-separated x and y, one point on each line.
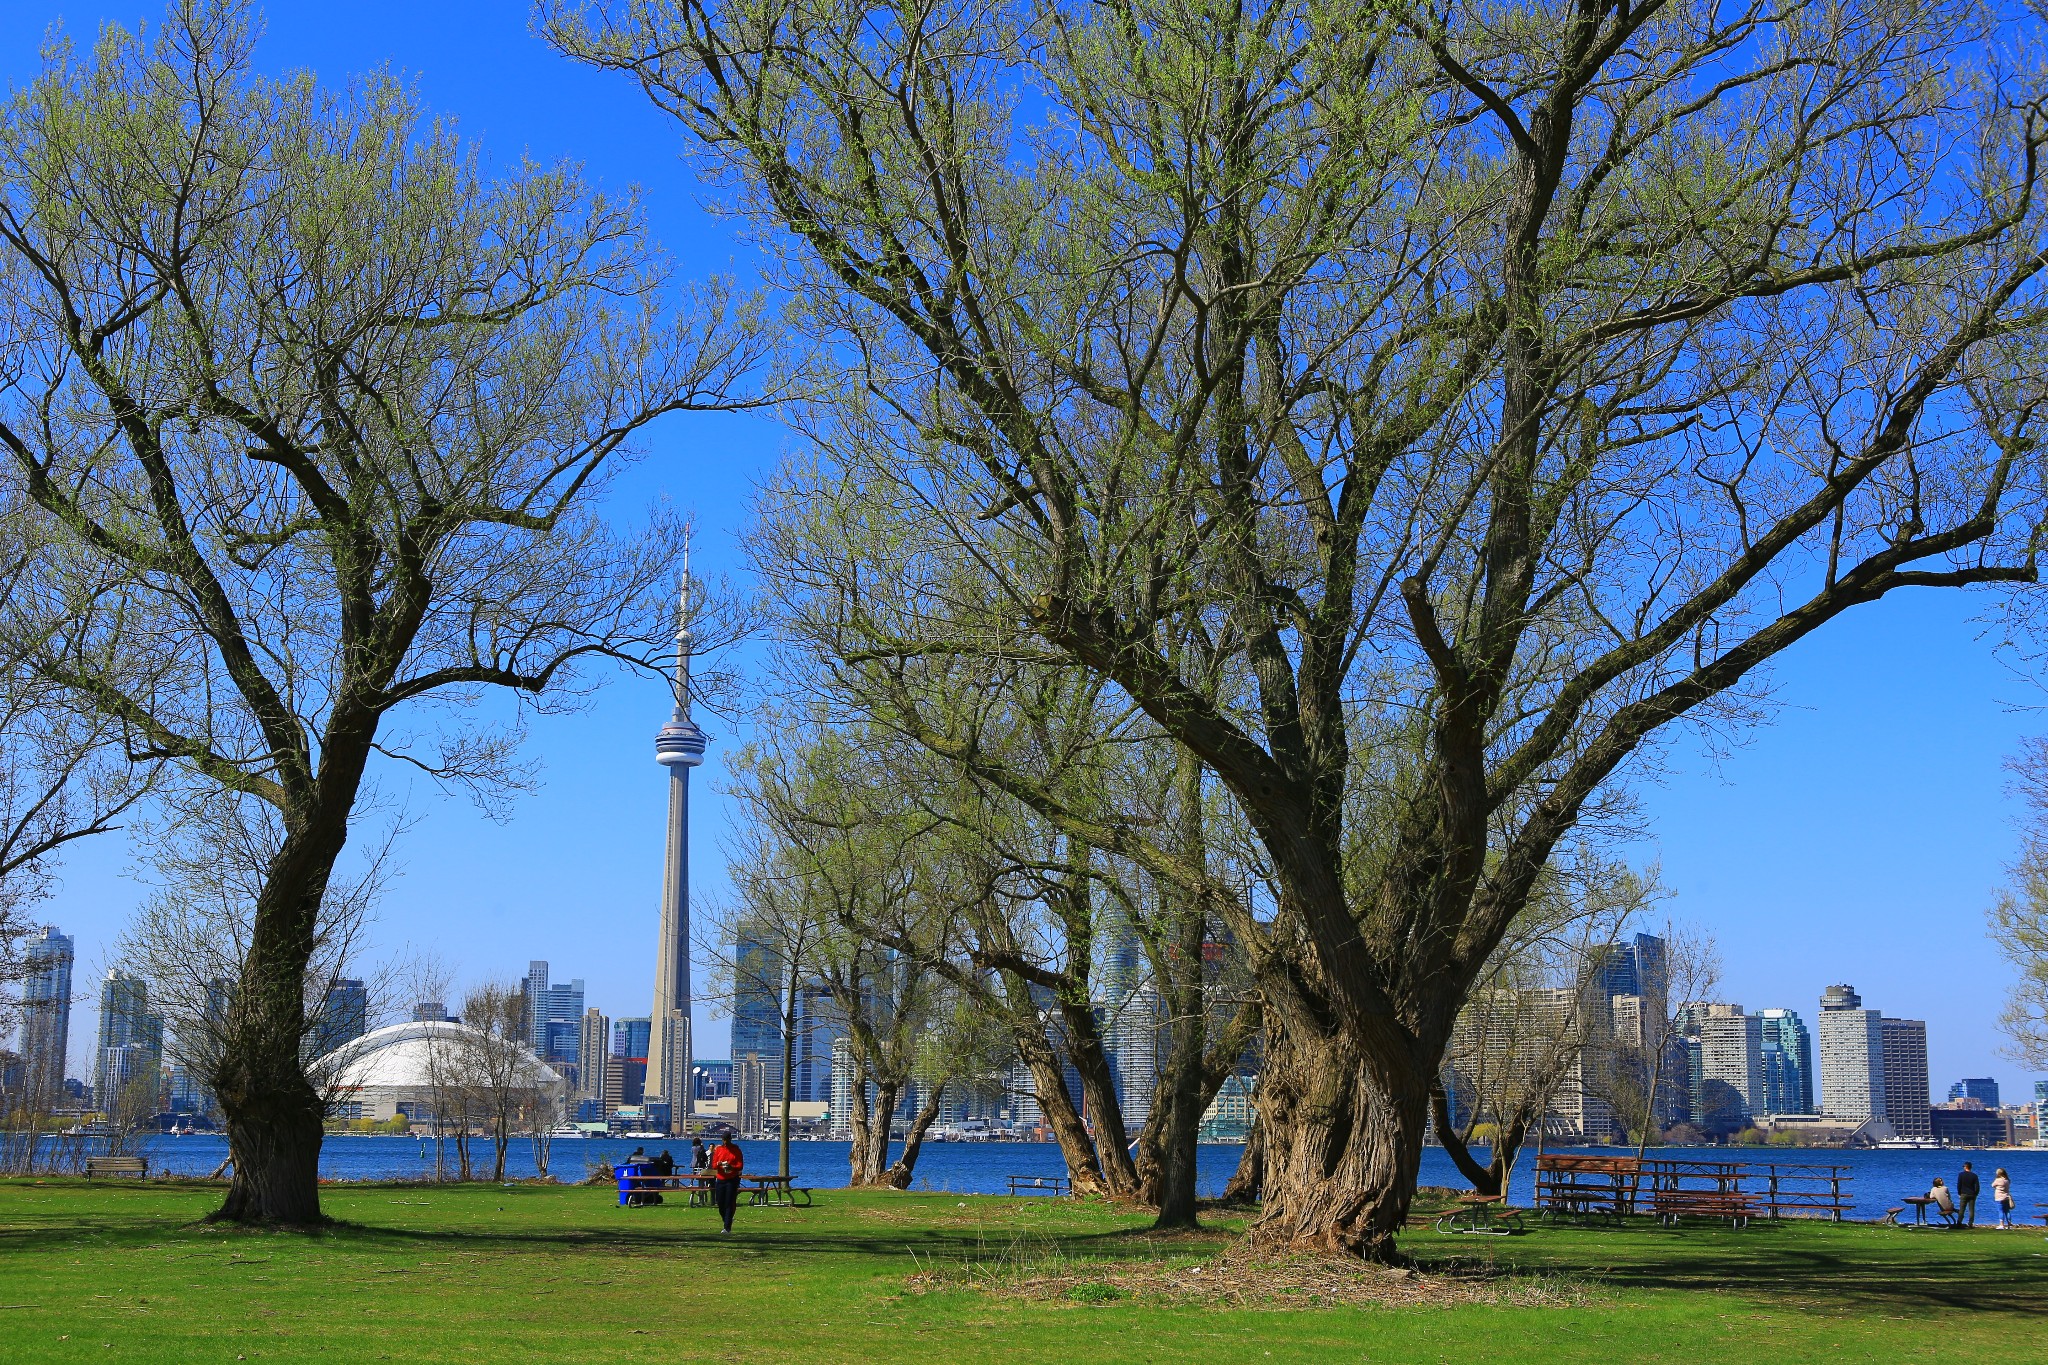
1731	1067
344	1016
45	1016
1982	1089
1787	1063
131	1039
1906	1096
1852	1075
629	1038
1638	967
758	979
551	1016
592	1048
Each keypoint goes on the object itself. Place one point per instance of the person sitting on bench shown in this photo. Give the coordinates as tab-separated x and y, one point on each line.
1944	1202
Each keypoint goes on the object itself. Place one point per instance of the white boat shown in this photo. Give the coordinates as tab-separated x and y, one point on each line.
1909	1145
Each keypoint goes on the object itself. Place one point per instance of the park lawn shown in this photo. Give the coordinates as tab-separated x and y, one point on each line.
120	1271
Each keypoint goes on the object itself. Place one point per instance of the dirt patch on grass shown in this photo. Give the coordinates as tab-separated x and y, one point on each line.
1252	1281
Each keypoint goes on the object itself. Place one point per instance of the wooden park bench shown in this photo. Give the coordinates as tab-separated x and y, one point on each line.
116	1165
1038	1184
1668	1206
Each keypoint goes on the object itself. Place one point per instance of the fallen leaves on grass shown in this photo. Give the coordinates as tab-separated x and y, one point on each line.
1247	1280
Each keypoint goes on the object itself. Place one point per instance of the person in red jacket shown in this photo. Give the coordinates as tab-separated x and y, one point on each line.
726	1167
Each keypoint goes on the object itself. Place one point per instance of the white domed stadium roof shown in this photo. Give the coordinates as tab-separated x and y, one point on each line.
412	1055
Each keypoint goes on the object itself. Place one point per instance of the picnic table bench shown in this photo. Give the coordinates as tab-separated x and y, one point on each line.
1572	1184
1920	1203
1038	1184
1484	1214
116	1165
1670	1205
781	1191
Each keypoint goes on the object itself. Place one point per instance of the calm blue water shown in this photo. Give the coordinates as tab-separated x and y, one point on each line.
1877	1181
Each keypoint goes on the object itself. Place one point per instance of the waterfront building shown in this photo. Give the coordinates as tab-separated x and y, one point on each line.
841	1104
629	1038
551	1017
1787	1058
714	1078
679	747
1132	1041
1229	1116
1980	1088
131	1039
750	1089
758	977
1852	1072
1731	1055
592	1050
1965	1123
394	1071
1639	967
45	1016
344	1016
1906	1094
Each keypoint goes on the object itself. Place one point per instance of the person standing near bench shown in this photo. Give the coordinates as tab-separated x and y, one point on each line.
727	1165
1966	1197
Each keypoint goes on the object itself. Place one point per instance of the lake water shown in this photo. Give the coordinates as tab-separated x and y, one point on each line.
1877	1178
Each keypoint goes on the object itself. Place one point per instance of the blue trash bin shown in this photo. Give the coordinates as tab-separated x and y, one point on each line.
623	1173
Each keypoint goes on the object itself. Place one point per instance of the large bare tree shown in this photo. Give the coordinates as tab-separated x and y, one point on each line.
318	407
1498	385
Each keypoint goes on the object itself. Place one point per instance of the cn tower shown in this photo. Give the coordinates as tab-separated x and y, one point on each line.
679	747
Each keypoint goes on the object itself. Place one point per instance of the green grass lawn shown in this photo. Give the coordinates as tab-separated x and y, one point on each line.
120	1271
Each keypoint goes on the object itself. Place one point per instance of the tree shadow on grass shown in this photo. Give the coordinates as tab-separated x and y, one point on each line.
1854	1268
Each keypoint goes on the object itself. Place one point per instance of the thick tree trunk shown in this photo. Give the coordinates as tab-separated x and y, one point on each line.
1182	1095
870	1155
272	1113
897	1177
275	1153
1084	1171
1098	1093
1343	1143
1249	1178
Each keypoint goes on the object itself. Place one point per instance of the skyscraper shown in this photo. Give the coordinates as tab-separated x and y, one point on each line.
1906	1098
1983	1089
1787	1063
591	1050
679	747
46	1016
1731	1065
757	971
552	1016
131	1040
1851	1057
344	1016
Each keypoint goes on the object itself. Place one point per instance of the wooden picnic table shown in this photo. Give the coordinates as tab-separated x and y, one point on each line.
778	1190
1038	1184
1571	1183
1484	1214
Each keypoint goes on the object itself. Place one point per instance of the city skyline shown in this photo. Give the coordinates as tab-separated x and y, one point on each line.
1869	809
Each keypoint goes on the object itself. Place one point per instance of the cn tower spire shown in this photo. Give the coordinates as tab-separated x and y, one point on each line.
679	747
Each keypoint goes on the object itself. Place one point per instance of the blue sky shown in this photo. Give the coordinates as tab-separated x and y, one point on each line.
1855	838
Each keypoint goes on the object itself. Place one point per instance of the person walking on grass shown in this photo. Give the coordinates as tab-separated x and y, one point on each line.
1966	1197
726	1167
2001	1197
